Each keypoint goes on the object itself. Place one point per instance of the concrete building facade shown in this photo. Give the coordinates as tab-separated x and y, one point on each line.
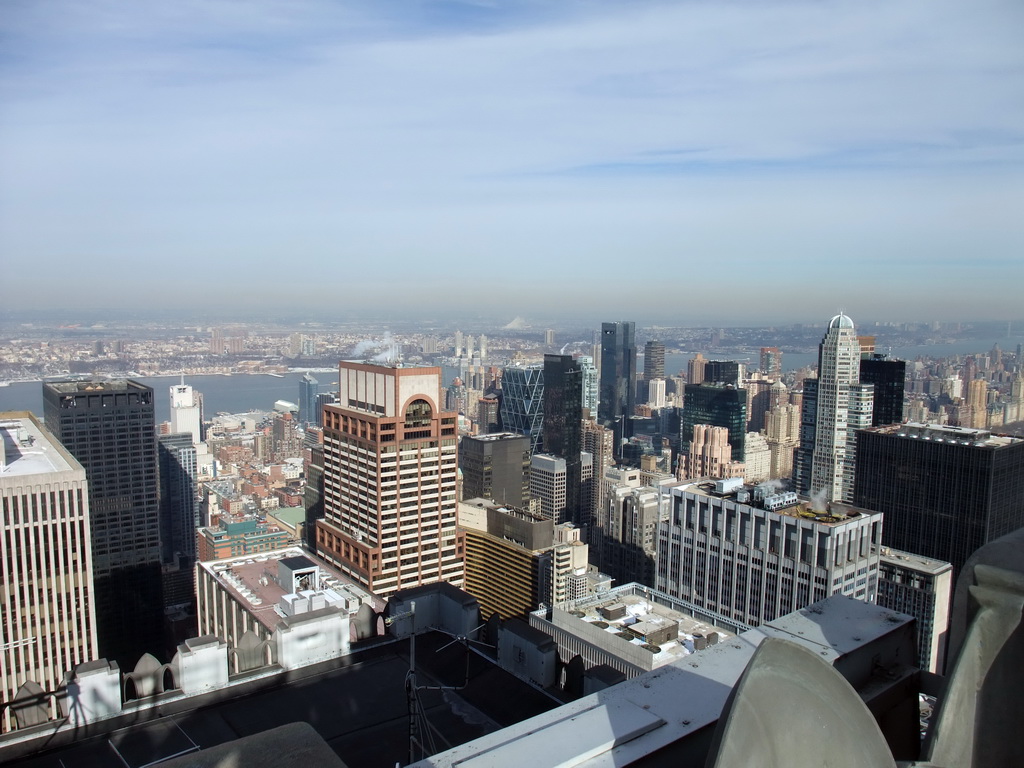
390	475
46	591
753	554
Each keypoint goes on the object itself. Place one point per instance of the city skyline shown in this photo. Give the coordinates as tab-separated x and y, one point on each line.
788	156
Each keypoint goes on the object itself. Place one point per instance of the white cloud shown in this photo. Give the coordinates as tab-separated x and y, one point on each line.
228	135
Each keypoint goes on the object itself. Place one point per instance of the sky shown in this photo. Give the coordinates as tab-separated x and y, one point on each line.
687	162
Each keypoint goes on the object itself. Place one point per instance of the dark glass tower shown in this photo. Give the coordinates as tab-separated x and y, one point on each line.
654	360
108	427
496	467
563	428
945	491
309	388
722	372
618	371
719	406
889	377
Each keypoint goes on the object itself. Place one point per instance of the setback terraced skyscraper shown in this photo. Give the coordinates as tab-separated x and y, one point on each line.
390	464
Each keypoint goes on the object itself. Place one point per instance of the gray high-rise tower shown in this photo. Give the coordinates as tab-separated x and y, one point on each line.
618	371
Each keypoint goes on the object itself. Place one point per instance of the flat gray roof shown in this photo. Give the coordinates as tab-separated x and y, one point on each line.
31	450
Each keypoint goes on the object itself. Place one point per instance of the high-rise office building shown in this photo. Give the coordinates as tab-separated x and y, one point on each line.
46	591
626	530
108	426
598	442
835	406
390	466
186	412
888	377
945	490
522	402
977	404
562	427
322	399
309	388
654	360
487	419
179	513
923	588
718	405
753	555
771	362
782	433
591	384
496	467
547	483
723	372
618	371
695	369
517	560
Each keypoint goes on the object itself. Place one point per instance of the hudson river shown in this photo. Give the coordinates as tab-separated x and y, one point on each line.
246	392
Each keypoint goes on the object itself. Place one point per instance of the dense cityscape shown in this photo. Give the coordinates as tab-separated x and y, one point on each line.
549	473
473	384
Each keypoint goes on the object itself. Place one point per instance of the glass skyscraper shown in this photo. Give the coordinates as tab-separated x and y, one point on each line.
618	371
522	402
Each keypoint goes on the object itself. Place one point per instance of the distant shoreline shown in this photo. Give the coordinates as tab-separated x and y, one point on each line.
138	375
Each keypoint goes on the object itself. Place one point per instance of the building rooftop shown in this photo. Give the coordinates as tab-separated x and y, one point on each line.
28	449
943	433
110	385
632	614
253	581
290	515
766	496
496	436
917	562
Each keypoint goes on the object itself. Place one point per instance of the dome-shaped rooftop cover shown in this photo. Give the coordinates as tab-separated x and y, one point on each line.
840	321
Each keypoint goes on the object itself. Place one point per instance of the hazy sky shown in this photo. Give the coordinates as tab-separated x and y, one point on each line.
692	161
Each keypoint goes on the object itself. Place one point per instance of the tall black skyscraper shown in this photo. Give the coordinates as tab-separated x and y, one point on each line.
889	377
496	467
945	491
719	406
563	424
108	427
654	360
722	372
618	371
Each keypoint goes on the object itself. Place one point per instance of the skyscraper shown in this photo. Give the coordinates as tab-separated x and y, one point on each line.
390	464
835	406
179	514
771	362
723	372
945	491
108	426
47	608
309	388
654	360
590	384
563	416
719	406
186	413
496	467
618	371
888	377
522	402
